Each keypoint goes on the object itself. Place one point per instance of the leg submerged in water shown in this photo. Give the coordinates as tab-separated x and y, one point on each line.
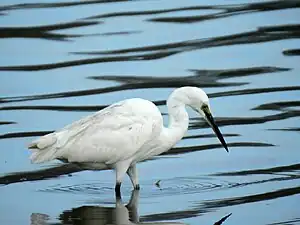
121	168
118	190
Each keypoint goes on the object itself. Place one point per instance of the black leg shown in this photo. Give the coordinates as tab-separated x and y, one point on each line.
137	187
118	190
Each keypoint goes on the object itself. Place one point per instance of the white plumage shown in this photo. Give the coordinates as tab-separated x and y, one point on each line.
123	134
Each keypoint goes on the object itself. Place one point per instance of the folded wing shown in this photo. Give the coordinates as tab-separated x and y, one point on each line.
112	134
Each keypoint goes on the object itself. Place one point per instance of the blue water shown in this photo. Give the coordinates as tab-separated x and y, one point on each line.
239	57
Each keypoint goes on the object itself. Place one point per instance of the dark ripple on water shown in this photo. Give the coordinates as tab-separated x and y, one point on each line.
283	173
272	111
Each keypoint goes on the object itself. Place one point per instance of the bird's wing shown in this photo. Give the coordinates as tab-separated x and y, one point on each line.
114	133
61	137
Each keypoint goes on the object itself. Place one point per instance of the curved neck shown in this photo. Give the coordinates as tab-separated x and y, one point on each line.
178	119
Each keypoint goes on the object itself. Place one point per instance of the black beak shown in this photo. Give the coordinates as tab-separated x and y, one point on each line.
215	128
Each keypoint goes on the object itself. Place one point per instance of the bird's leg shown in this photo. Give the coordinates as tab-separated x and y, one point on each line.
132	173
118	191
121	168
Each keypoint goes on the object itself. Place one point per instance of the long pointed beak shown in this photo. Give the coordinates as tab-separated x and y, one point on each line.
215	128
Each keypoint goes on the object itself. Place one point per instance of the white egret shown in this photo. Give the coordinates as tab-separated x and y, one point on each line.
123	134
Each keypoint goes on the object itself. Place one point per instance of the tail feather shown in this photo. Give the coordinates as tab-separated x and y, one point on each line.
43	149
39	156
44	142
32	145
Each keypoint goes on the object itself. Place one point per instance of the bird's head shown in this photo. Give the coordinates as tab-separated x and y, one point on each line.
198	100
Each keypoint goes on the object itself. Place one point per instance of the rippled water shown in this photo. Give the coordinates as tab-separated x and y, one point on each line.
62	60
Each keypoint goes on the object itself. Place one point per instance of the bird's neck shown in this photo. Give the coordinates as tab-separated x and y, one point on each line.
178	119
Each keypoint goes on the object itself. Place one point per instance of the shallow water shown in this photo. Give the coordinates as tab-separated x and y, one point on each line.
62	60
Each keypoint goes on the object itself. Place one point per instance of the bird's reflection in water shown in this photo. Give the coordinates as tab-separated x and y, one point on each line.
121	214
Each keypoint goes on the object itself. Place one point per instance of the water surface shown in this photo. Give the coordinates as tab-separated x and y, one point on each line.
62	60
